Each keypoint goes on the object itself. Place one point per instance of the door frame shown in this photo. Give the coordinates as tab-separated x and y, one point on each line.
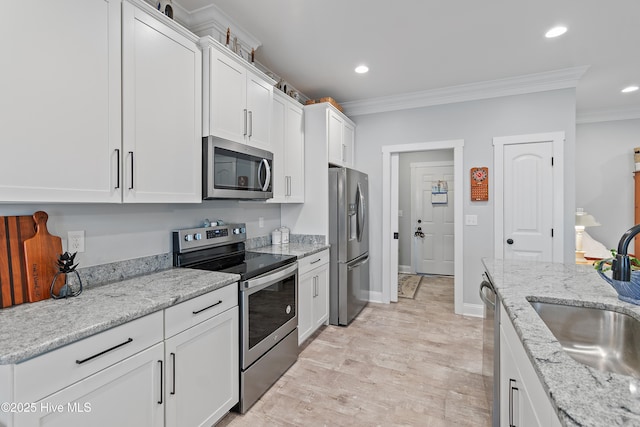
413	167
557	141
390	211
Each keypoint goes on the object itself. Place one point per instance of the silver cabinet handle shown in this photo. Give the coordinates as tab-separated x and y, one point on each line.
511	408
173	359
250	124
207	308
245	122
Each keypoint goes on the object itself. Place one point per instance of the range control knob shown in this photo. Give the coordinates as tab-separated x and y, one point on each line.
243	230
236	231
188	237
197	236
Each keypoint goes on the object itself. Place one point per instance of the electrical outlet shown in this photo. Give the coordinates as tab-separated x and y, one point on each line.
471	219
261	222
75	241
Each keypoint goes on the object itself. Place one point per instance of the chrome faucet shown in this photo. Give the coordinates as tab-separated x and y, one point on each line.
621	265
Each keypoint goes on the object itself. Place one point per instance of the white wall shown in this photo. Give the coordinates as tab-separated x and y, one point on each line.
476	123
405	228
121	232
604	176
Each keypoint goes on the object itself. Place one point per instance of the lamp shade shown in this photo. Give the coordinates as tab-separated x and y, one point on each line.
585	220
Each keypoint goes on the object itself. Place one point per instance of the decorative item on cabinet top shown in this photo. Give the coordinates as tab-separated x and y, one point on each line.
165	7
325	99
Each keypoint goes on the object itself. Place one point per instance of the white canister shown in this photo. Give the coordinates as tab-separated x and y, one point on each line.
276	237
285	234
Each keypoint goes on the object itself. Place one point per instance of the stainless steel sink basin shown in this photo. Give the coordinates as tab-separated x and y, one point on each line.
603	339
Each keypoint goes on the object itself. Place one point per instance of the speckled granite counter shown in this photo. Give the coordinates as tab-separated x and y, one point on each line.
582	396
300	250
28	330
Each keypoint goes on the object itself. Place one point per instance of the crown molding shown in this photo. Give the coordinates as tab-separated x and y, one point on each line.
607	115
530	83
212	21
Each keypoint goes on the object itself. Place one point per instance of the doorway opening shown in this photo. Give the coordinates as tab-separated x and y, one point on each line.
390	219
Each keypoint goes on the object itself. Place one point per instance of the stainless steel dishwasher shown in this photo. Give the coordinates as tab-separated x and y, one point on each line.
491	347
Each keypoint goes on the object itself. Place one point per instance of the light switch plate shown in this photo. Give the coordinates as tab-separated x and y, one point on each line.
471	219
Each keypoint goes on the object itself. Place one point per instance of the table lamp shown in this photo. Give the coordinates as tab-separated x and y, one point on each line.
583	220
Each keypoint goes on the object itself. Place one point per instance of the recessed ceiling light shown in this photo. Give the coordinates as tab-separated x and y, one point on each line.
630	89
361	69
556	31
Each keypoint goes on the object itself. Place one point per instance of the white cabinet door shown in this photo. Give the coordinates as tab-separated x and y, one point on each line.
162	99
321	297
128	393
287	145
306	286
348	143
227	96
294	153
202	371
523	401
259	99
60	106
335	126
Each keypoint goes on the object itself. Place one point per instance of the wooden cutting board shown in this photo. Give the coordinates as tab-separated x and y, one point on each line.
14	230
41	254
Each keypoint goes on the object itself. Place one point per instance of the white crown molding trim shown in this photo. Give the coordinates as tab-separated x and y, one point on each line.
212	21
607	115
530	83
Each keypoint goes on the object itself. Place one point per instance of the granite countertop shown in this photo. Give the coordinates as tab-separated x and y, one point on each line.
581	395
300	250
28	330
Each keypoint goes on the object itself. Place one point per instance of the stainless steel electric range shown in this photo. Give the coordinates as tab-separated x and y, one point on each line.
268	300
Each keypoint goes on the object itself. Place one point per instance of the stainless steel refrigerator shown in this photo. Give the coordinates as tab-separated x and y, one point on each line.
349	239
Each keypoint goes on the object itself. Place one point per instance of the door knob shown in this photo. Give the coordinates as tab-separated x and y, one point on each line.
419	221
510	241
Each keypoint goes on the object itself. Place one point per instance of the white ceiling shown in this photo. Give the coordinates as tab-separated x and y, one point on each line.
421	45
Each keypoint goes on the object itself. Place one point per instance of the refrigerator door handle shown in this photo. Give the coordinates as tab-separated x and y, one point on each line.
358	264
360	213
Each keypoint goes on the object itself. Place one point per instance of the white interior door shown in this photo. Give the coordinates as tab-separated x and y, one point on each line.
433	252
528	201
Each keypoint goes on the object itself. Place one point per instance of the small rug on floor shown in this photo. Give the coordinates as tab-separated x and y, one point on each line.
408	285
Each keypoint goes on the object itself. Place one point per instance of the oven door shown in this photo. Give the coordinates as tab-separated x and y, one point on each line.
236	171
269	311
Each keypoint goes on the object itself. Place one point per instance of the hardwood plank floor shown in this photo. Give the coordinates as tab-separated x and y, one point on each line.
411	363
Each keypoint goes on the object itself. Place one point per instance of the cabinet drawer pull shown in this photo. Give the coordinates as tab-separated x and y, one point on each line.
173	359
80	362
161	391
316	261
117	168
207	308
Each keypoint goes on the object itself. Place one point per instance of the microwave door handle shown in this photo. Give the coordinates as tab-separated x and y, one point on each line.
267	179
260	173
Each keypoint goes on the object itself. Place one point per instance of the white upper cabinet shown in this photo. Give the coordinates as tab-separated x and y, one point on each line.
108	110
60	106
162	102
237	97
287	142
340	137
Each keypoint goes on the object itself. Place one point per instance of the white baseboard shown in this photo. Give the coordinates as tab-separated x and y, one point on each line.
406	269
473	310
375	296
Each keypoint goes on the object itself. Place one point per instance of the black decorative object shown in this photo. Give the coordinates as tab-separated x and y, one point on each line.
66	267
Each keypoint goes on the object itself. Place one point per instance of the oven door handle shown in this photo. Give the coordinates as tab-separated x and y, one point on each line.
269	278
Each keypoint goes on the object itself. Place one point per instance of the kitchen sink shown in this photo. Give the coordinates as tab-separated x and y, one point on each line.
603	339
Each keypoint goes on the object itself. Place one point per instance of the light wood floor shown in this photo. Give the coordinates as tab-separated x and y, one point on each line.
411	363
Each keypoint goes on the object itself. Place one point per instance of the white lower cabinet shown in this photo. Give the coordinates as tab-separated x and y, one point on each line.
127	393
177	367
313	294
202	372
523	401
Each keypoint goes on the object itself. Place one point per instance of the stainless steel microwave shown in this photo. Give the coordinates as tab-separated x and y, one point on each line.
235	171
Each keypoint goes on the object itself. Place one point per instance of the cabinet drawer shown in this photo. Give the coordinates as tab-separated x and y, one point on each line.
310	262
196	310
39	377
